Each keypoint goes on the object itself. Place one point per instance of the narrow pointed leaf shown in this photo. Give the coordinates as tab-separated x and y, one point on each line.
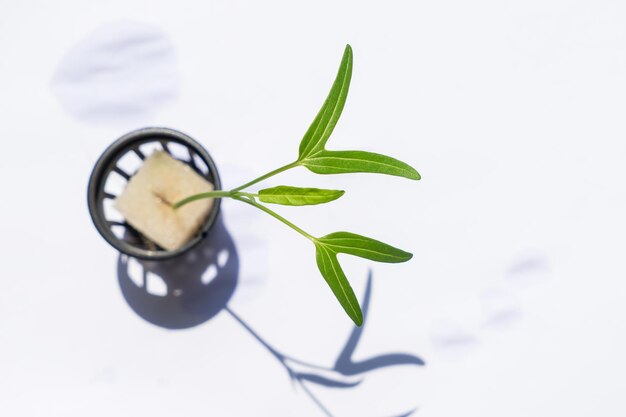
365	247
336	279
295	196
343	162
318	133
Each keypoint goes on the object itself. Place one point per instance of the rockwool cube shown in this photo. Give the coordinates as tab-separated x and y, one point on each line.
147	201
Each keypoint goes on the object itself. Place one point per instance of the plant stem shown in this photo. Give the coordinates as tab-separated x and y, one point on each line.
275	215
249	195
210	194
246	198
269	174
235	191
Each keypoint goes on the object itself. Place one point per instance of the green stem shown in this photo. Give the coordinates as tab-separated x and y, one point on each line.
246	198
269	174
249	195
210	194
276	216
235	191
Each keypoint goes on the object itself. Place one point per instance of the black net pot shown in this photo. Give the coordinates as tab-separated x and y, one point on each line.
115	167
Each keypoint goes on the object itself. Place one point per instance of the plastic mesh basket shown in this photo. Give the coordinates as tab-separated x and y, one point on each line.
115	167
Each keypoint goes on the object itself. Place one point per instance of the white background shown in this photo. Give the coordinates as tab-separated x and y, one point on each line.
513	112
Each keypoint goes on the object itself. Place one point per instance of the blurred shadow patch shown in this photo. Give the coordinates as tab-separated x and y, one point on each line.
121	73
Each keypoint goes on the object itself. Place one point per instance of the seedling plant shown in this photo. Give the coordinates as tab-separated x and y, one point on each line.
314	156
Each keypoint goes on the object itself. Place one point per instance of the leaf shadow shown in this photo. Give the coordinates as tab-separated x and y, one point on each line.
346	366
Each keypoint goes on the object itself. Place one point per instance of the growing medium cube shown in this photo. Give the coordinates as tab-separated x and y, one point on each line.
147	201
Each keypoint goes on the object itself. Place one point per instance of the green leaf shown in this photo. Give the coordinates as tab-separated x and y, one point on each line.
365	247
295	196
318	133
343	162
333	274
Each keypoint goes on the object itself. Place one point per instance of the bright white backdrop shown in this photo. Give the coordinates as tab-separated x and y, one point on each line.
511	111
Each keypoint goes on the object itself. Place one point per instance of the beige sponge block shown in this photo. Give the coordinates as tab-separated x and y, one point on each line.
147	201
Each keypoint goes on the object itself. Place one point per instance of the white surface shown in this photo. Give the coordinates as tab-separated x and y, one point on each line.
512	112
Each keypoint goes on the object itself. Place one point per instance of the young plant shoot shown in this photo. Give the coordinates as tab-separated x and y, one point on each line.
314	156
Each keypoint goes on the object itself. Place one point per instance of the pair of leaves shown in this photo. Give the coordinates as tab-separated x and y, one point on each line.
329	246
314	155
316	158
